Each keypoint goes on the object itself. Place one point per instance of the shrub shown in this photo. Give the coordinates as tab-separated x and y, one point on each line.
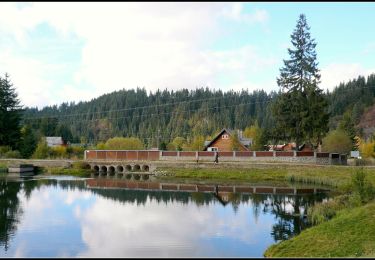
76	152
12	154
4	150
58	152
324	211
100	146
42	150
198	143
124	143
171	147
367	150
337	141
178	142
361	186
362	192
80	165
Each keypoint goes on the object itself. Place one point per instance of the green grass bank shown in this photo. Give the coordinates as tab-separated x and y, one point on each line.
335	176
349	234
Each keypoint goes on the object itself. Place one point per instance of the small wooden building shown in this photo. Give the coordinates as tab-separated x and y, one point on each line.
291	147
223	142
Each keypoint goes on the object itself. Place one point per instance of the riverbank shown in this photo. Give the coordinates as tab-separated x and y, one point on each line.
344	225
349	234
335	176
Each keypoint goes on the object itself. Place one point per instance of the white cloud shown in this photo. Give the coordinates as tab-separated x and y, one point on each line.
28	75
152	45
335	73
236	12
162	230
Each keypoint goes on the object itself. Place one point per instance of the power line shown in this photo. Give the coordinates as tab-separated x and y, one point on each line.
166	113
160	105
134	108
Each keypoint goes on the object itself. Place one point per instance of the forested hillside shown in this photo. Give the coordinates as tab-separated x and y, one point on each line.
353	96
164	115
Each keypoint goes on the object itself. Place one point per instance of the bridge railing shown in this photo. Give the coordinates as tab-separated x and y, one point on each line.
151	155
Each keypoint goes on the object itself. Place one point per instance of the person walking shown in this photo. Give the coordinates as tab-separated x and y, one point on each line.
217	157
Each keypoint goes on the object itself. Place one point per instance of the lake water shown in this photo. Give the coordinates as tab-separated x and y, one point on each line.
66	217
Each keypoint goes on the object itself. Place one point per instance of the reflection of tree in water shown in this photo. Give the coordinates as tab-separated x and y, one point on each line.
291	213
201	198
257	201
10	211
235	199
289	210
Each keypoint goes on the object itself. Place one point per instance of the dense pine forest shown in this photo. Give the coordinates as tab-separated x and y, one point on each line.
164	115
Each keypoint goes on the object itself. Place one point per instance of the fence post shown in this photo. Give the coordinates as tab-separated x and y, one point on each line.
330	159
315	158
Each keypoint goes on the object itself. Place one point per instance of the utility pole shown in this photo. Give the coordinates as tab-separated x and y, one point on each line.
157	137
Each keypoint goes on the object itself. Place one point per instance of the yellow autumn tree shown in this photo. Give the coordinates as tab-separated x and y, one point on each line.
198	143
367	149
124	143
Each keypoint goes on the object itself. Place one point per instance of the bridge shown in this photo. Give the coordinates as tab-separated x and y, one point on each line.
122	161
121	168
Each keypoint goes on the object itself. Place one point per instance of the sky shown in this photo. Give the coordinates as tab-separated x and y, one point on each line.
60	52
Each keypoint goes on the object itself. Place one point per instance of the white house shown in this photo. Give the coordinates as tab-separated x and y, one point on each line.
54	141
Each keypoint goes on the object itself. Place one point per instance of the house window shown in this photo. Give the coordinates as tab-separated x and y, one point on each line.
212	149
225	137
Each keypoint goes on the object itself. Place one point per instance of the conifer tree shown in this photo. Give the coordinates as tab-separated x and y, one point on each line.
10	114
300	110
348	126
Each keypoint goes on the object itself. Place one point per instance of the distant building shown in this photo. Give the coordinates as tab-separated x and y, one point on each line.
306	148
53	141
223	141
290	147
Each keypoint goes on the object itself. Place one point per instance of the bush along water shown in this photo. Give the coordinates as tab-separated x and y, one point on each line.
358	192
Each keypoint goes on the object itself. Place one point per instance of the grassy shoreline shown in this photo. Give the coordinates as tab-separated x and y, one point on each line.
335	176
349	234
67	171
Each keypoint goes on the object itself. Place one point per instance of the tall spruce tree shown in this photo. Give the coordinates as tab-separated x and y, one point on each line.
10	114
348	126
300	110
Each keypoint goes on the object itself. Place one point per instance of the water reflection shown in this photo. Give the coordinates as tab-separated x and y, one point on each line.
53	218
10	211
